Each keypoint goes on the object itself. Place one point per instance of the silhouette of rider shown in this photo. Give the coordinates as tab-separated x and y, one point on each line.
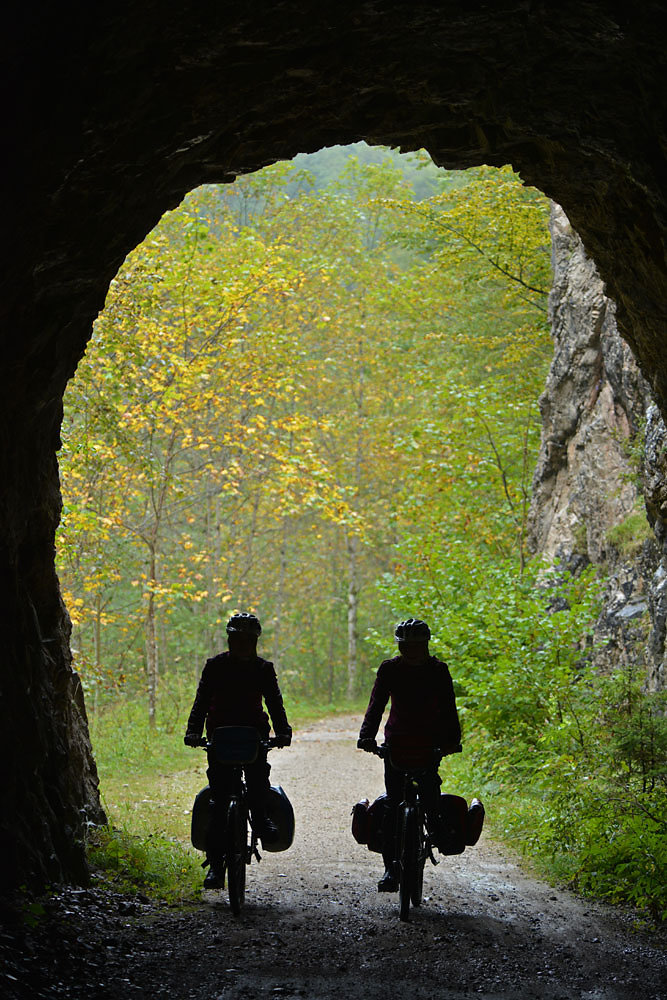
422	718
232	687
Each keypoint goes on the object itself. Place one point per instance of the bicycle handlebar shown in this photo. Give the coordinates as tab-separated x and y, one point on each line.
383	751
269	744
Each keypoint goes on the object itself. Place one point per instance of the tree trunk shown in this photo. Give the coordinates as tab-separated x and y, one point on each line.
352	597
151	641
280	595
98	649
332	632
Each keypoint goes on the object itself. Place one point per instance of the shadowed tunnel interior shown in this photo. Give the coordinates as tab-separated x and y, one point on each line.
113	113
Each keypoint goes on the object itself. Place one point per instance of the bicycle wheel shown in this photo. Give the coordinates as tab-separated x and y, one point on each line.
420	860
409	859
236	850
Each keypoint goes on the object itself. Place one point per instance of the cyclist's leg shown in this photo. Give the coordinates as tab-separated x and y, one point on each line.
393	782
220	782
429	783
258	785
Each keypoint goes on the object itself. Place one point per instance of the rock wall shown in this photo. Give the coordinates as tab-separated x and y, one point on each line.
654	474
600	485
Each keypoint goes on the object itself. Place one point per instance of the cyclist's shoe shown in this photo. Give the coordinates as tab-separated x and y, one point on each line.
388	883
267	831
212	880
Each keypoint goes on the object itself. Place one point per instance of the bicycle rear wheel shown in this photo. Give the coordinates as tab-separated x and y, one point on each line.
236	850
409	862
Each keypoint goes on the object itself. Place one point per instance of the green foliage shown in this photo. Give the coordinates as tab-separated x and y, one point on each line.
418	170
151	865
606	798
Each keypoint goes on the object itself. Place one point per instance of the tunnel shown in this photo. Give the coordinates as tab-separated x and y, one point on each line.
114	112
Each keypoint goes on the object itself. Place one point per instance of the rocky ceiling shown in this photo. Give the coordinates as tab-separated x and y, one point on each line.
112	112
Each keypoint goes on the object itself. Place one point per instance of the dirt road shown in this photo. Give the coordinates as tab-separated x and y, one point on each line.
314	925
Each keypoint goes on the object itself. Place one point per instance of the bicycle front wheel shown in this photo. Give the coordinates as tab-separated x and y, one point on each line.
420	860
237	835
409	862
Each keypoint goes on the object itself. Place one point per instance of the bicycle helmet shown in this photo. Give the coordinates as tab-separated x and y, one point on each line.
244	622
412	630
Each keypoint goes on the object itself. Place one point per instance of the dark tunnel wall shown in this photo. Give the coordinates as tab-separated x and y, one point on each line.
114	112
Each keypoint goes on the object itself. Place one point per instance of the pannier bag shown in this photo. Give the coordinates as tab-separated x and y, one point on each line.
453	824
201	819
367	822
376	816
279	810
474	822
360	821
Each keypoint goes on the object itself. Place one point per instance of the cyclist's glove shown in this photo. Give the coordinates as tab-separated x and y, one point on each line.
283	739
368	744
192	739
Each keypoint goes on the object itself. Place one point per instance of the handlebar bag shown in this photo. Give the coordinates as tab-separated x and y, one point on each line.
201	819
235	744
279	810
408	757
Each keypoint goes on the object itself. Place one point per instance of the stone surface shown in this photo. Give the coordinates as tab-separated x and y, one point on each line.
654	472
593	405
114	111
602	459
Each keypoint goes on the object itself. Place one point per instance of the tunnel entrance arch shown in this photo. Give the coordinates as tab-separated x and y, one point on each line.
116	113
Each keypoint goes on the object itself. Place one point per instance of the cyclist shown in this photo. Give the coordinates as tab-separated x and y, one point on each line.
232	687
422	718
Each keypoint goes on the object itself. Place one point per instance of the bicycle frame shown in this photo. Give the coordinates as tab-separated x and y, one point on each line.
236	850
412	844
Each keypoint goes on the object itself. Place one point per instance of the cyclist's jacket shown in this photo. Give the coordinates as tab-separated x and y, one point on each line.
423	708
230	693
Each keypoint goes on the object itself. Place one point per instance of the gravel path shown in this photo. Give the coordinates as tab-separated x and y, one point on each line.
314	925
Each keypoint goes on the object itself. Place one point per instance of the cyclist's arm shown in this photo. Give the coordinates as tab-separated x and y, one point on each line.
450	727
201	704
376	706
274	701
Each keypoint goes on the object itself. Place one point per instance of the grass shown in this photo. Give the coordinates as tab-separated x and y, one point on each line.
629	536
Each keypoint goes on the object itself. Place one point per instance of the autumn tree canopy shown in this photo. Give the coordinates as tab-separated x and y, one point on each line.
296	394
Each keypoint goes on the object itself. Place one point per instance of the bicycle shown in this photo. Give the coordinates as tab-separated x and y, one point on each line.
413	841
234	746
